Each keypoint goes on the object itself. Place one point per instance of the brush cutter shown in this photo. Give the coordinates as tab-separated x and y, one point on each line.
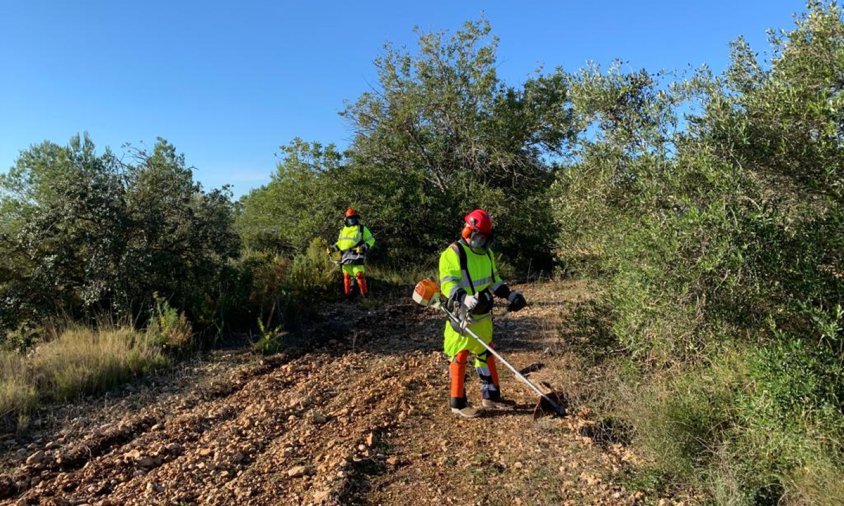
335	257
427	294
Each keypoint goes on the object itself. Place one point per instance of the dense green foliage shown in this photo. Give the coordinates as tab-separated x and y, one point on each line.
85	235
718	237
300	202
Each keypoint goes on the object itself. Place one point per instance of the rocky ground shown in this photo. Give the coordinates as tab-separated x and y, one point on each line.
360	417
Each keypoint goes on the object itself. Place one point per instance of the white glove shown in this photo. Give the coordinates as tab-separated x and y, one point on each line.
470	301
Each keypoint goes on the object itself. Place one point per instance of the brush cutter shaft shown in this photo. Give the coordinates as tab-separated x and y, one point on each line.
490	349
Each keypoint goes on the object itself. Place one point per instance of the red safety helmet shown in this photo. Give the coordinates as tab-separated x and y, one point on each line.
477	231
352	218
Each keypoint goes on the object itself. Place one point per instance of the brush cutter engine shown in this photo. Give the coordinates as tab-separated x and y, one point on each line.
427	293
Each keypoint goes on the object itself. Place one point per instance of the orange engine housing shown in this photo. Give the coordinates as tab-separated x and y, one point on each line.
427	292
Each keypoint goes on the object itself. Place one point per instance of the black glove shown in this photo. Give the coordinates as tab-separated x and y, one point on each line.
456	300
502	291
517	301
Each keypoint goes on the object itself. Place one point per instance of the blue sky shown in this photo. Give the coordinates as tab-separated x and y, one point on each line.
228	82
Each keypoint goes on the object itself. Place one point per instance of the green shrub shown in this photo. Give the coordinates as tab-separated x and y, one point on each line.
277	288
683	417
268	292
749	426
711	211
237	306
24	336
312	275
83	234
169	328
269	339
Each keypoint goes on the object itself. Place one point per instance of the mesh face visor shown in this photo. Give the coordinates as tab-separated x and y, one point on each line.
352	221
479	240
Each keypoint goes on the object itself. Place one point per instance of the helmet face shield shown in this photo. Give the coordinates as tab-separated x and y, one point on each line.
352	221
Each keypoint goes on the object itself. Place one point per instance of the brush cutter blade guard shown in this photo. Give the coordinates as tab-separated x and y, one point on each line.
427	293
549	403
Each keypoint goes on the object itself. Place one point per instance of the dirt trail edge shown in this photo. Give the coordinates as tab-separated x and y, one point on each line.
361	418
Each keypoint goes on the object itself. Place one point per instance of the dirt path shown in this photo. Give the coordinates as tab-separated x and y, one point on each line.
360	419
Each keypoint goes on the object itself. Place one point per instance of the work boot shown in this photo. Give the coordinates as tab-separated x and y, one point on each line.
466	412
502	404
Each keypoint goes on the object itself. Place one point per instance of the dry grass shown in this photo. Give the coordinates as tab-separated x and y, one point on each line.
819	483
80	361
17	392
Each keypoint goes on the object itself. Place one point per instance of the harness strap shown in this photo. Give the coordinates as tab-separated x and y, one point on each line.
362	236
464	264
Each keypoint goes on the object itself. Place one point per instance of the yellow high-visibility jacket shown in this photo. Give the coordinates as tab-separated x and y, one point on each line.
352	237
477	274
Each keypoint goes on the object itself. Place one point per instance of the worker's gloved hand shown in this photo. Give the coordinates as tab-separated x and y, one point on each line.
517	301
469	302
361	250
455	300
465	307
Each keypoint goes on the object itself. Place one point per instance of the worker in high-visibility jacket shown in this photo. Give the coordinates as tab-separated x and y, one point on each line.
354	242
469	280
